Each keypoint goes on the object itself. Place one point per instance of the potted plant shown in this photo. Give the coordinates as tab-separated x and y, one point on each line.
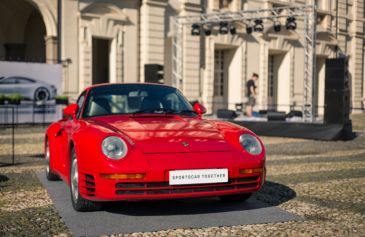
14	99
61	100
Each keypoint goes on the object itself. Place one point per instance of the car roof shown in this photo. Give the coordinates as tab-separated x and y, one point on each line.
119	84
19	77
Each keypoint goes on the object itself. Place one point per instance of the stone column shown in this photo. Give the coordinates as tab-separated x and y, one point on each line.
152	33
357	54
263	73
51	49
191	53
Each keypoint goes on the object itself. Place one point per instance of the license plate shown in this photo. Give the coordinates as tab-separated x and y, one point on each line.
198	176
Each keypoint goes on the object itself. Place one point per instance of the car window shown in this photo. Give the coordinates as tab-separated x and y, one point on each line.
80	102
23	80
171	101
135	98
11	80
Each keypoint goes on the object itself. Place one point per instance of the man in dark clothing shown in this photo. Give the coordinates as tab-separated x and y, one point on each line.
251	94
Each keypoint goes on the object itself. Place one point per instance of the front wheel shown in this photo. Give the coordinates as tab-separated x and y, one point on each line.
79	203
51	176
236	197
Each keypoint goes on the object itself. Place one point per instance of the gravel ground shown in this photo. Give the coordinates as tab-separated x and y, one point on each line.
324	182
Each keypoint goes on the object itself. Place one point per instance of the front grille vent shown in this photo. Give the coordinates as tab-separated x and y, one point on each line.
87	185
158	188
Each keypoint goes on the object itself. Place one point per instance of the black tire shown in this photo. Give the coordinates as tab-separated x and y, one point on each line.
235	198
41	94
50	175
79	203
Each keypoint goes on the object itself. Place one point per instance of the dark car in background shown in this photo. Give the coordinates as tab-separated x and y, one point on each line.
28	88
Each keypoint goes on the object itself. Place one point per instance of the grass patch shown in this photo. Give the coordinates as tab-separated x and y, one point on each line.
17	181
345	206
22	141
42	221
315	147
357	157
318	176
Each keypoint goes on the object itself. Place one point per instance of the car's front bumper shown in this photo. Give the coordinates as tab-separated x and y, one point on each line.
94	187
156	168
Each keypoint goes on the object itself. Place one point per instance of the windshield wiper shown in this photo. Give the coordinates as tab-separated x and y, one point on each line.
157	111
183	111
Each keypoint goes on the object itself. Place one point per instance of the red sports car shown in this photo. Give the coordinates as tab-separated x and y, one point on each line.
145	141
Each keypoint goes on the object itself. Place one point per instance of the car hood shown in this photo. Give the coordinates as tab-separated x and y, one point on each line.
168	134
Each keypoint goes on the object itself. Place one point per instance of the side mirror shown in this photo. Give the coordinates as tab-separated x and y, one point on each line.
70	111
199	109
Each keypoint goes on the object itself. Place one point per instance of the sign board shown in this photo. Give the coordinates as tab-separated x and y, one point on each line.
29	89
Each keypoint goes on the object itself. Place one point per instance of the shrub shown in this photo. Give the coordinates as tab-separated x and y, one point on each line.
61	99
2	99
14	98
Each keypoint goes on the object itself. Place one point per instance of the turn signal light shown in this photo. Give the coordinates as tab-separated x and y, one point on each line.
251	171
123	176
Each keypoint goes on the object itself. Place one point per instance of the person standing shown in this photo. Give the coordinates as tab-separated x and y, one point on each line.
251	94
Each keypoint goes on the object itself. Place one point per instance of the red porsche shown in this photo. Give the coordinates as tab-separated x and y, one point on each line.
145	141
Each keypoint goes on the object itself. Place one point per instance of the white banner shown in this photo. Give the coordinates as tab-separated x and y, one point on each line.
30	89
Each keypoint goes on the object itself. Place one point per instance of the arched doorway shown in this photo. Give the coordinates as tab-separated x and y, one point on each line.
22	32
102	43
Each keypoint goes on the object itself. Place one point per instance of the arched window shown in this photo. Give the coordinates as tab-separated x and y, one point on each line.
23	32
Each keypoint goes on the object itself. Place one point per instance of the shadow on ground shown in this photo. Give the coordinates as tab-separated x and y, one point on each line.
5	164
128	217
3	178
272	194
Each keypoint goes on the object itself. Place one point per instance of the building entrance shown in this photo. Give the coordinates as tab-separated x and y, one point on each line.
100	60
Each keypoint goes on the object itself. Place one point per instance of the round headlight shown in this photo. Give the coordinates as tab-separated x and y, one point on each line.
114	148
250	144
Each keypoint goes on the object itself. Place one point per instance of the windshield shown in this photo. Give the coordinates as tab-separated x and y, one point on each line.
136	99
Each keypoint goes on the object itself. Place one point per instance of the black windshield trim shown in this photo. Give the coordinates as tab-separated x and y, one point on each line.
107	89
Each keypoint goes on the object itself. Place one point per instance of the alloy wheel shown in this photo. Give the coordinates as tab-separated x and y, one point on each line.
74	180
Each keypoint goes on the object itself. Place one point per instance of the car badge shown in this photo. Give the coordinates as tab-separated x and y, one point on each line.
185	144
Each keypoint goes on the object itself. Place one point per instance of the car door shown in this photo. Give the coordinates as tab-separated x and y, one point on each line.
59	141
64	138
70	126
24	87
7	85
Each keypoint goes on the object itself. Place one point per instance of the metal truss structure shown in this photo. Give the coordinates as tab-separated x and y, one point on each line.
246	17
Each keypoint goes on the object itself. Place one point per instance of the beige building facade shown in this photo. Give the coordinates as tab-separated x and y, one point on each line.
112	40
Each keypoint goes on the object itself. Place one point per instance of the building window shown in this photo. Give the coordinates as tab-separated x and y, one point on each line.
218	73
222	4
271	72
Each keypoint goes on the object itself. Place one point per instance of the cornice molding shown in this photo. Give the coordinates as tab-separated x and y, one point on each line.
155	3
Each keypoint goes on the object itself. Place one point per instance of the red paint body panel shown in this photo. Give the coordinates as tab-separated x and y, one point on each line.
154	148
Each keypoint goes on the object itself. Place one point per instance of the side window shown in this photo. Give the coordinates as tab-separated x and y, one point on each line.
11	80
24	81
171	101
80	101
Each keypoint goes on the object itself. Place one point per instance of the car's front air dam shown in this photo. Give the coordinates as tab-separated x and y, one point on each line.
156	168
98	188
